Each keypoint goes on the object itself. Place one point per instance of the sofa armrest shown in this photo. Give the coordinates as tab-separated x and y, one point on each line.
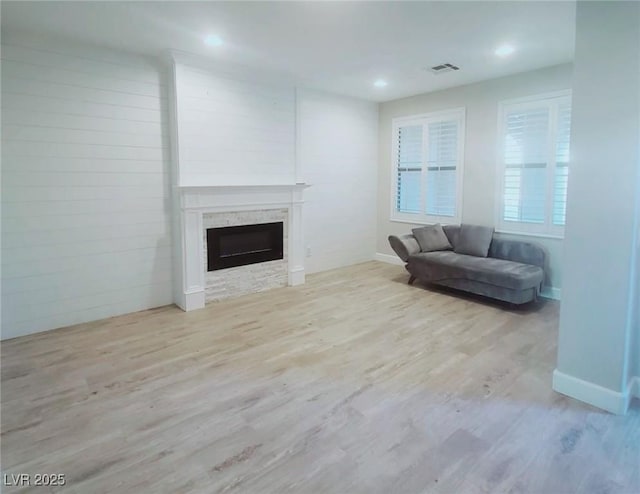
404	245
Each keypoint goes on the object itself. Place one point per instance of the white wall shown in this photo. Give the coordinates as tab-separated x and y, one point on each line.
635	348
596	319
337	154
634	364
85	223
481	103
635	337
233	128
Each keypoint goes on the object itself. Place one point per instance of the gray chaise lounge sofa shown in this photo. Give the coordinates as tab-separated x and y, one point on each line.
513	271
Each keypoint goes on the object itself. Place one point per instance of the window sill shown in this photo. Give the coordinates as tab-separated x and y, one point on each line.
530	234
423	221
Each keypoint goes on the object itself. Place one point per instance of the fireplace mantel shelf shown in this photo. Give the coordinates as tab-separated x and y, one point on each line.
230	197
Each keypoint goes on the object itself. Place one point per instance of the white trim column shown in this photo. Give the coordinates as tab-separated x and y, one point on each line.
296	241
193	275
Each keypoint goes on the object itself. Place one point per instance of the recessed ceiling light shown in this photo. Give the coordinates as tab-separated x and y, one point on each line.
213	40
504	50
380	83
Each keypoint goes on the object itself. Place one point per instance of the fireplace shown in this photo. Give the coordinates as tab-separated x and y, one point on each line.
209	207
232	246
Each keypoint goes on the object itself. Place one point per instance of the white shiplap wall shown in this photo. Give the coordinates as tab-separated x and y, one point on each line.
337	154
233	129
85	186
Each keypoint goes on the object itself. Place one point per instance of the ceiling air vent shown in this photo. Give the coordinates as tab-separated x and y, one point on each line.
443	67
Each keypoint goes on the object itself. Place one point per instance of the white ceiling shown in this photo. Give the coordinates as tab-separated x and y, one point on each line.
341	47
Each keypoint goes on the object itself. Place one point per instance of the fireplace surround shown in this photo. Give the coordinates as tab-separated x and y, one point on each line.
248	278
202	207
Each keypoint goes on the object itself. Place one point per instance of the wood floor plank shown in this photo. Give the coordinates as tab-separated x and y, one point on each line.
354	382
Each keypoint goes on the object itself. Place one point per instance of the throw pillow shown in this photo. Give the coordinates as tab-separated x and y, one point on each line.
431	238
474	240
452	231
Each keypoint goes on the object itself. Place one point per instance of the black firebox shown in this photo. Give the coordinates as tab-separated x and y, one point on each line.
232	246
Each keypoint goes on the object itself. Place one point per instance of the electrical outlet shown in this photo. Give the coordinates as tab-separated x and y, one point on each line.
308	251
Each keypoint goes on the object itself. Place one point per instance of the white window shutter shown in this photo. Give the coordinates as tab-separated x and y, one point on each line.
534	166
561	178
442	160
409	169
428	164
525	160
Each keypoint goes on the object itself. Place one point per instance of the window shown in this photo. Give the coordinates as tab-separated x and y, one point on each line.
534	164
427	172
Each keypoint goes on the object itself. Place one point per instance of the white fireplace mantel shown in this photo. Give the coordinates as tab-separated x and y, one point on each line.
214	197
194	201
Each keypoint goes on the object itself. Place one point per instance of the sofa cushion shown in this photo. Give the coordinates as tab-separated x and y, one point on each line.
452	232
474	240
443	265
431	238
517	251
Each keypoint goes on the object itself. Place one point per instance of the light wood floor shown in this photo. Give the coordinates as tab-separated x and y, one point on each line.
352	383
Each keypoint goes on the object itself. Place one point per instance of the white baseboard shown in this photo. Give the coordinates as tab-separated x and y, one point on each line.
634	387
550	292
388	259
296	276
191	300
593	394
